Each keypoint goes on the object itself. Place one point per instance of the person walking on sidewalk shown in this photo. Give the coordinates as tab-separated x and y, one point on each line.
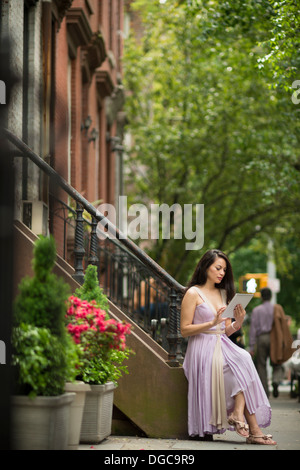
223	384
268	324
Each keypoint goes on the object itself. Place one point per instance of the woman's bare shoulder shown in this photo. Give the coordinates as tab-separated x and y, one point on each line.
191	295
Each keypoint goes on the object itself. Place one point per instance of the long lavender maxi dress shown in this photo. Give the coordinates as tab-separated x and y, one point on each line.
216	370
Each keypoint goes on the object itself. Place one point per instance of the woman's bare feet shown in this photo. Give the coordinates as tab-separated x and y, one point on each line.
263	439
256	436
241	428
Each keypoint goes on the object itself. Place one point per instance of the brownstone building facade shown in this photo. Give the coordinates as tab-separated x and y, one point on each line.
68	106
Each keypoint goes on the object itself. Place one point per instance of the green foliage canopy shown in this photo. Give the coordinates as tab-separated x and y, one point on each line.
207	125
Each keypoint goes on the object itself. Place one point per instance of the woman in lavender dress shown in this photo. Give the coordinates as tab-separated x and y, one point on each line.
224	389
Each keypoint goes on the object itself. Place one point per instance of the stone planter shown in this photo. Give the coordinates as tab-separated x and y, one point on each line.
76	411
97	415
41	423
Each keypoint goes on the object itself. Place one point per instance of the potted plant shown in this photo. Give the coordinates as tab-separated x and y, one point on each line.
76	412
44	356
103	346
90	289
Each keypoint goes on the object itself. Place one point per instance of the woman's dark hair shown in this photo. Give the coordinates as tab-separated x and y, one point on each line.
200	274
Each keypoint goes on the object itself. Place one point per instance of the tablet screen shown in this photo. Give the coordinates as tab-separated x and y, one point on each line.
242	299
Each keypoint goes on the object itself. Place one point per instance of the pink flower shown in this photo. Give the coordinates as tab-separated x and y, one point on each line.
76	300
71	310
88	324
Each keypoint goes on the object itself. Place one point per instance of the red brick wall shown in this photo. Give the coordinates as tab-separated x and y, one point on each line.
61	130
76	120
92	166
61	102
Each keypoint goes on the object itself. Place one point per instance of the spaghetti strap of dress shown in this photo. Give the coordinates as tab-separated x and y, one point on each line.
224	296
205	299
199	292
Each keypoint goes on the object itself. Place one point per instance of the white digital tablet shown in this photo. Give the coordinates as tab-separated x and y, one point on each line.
242	299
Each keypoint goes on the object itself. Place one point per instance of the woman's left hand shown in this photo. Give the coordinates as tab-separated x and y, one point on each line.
239	314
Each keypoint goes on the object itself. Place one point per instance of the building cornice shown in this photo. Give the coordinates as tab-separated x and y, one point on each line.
60	7
93	54
96	51
104	82
79	30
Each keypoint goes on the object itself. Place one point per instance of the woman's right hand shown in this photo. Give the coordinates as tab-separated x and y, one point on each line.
218	318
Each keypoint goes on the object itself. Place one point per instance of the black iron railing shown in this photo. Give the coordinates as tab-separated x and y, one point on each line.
130	278
124	278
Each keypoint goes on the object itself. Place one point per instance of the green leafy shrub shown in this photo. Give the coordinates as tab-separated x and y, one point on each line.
90	290
42	361
42	298
105	368
44	354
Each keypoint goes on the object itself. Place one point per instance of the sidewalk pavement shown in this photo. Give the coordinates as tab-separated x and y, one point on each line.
285	428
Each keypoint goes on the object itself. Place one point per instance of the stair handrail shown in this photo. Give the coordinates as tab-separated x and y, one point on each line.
177	289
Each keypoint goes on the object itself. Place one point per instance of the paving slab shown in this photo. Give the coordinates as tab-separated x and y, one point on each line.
285	428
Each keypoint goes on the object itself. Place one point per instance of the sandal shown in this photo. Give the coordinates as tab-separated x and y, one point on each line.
265	439
239	425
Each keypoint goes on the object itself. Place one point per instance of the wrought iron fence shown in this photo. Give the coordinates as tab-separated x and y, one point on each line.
129	277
